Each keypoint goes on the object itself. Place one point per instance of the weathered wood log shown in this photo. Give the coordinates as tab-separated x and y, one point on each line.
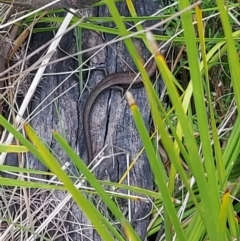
111	125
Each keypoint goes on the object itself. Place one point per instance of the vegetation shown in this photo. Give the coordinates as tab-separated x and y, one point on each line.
197	197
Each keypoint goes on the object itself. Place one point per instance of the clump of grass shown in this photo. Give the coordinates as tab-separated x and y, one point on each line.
197	128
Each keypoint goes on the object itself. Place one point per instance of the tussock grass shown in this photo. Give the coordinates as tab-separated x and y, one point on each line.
197	128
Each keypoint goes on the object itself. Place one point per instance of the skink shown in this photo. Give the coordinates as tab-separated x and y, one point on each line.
121	79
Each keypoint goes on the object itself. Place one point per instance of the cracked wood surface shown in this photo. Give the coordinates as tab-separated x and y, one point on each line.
114	126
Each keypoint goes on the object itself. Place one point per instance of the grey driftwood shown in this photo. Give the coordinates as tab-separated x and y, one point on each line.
116	130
